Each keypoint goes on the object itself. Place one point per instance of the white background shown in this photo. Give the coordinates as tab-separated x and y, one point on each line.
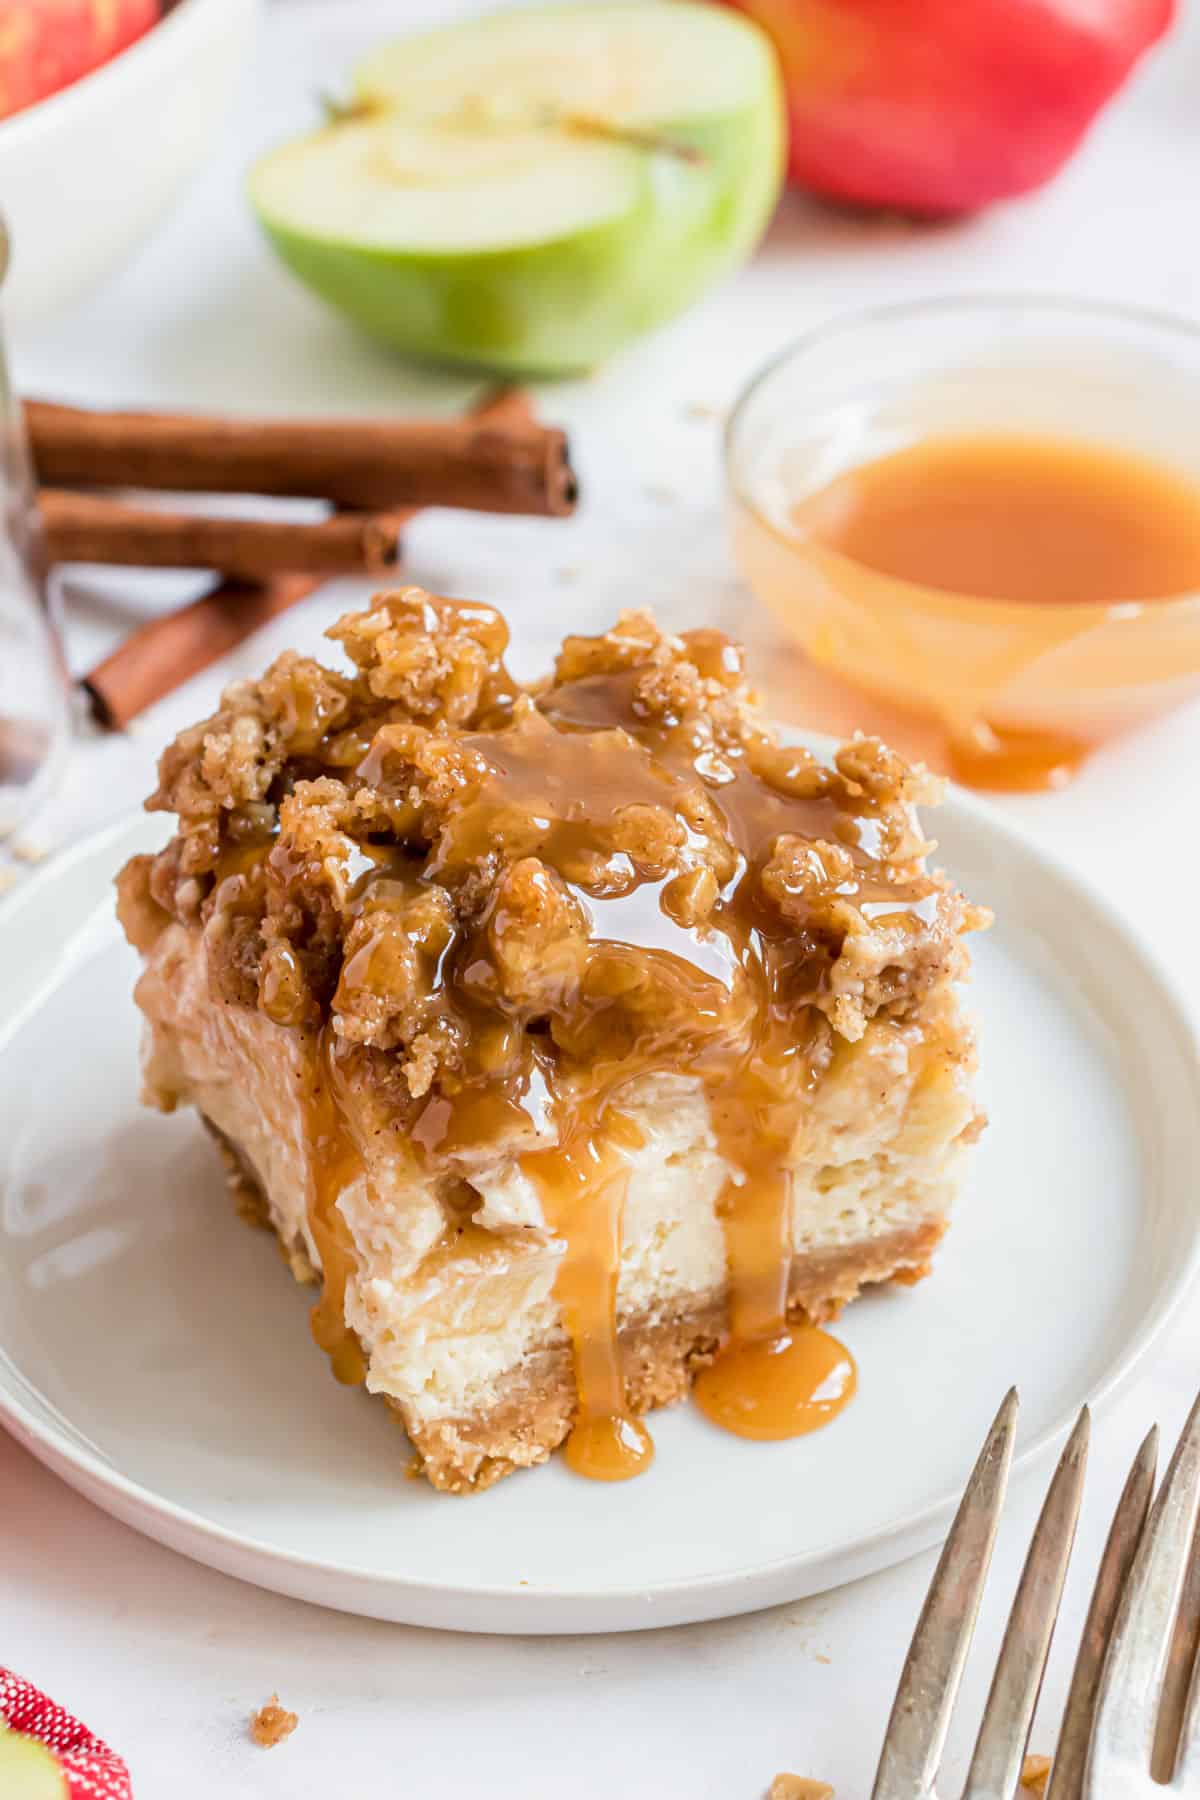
162	1657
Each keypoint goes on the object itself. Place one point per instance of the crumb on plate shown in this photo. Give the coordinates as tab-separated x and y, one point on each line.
1035	1773
272	1723
798	1787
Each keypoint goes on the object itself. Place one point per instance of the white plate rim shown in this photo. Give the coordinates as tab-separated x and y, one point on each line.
559	1609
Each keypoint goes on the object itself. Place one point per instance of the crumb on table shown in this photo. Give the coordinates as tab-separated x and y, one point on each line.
798	1787
1035	1773
272	1723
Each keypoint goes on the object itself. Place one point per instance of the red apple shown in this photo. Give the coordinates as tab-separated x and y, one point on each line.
45	44
940	106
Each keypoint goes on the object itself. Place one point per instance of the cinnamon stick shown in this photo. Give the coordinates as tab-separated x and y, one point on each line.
90	528
167	651
480	464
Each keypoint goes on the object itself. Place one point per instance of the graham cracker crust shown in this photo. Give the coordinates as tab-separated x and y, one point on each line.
659	1356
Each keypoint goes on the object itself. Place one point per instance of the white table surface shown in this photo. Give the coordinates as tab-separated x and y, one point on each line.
156	1653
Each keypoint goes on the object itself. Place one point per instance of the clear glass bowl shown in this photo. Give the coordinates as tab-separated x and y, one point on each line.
1015	693
34	715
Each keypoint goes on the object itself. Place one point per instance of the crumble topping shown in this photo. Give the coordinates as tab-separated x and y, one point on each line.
482	892
272	1723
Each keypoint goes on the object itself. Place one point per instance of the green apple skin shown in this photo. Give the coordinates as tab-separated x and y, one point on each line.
562	306
28	1771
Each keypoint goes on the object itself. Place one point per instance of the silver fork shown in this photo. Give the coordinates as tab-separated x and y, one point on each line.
1130	1699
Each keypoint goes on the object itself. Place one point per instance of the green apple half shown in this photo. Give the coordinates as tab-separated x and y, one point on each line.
530	190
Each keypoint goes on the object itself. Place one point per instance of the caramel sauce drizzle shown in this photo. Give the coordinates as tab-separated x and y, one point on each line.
582	1183
727	1001
336	1162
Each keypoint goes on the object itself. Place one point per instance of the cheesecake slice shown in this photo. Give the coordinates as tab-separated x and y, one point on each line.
568	1037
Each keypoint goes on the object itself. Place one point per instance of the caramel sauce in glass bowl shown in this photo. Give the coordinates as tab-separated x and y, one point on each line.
979	521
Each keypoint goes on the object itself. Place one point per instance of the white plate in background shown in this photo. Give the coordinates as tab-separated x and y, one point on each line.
156	1354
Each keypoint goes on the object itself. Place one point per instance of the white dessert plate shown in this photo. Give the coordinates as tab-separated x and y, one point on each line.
156	1354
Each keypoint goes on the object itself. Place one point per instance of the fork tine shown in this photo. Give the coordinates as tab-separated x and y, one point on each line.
1136	1665
1066	1775
929	1681
1183	1733
1004	1733
1187	1771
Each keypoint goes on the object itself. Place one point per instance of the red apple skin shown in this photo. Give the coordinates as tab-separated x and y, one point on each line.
940	106
46	44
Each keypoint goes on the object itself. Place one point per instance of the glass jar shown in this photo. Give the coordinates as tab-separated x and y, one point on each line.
34	690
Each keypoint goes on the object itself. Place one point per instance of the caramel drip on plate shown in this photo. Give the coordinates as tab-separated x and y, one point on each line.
335	1162
779	1386
582	1184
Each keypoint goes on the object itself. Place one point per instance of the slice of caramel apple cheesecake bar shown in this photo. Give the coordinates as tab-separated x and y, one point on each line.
579	1040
